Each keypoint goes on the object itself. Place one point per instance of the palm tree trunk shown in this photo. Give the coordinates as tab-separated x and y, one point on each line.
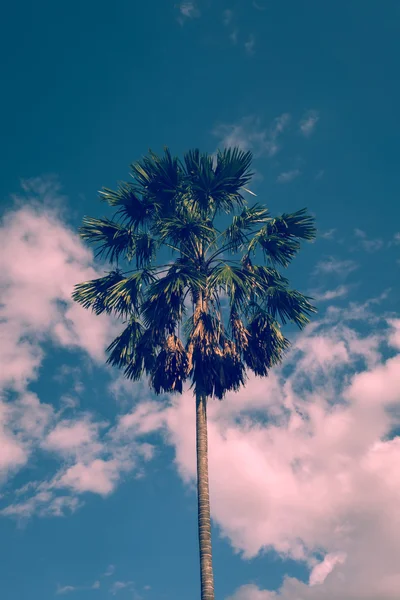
203	499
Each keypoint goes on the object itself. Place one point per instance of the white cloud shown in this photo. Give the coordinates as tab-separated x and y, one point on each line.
369	245
109	571
66	589
42	260
99	476
336	266
328	235
339	292
287	176
249	134
121	585
308	122
73	435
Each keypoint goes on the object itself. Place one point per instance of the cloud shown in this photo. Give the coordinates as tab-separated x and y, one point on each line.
369	245
308	122
99	476
42	260
304	462
321	571
396	238
328	235
339	292
188	10
250	44
249	134
121	585
66	589
109	571
287	176
72	435
335	266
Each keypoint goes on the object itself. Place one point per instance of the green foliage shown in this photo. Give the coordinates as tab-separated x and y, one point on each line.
235	305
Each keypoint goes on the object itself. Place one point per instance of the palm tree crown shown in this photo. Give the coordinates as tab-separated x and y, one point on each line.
214	311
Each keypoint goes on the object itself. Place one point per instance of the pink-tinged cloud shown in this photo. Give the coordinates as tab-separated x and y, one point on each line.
41	261
99	476
70	436
320	475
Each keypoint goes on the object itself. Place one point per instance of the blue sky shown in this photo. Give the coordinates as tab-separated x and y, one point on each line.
97	475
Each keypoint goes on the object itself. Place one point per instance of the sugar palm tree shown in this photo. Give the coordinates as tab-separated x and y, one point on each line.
213	311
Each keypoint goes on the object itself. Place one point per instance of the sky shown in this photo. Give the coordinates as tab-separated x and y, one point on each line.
97	474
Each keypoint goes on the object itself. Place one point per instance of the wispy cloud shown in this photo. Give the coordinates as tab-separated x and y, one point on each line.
308	122
250	44
187	11
336	266
369	245
328	235
109	571
338	292
250	134
66	589
121	585
287	176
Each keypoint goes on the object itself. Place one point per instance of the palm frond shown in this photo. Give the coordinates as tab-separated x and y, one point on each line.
238	331
187	232
93	294
122	349
236	235
232	173
133	209
164	305
280	237
216	189
114	239
144	356
144	249
236	282
266	344
159	178
171	367
127	295
289	305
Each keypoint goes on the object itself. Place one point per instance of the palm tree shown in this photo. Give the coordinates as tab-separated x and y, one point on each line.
177	328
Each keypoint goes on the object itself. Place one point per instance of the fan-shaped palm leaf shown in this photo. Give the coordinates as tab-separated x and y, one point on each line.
93	294
280	237
114	239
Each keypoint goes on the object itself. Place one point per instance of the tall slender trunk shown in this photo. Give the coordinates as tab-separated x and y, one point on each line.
203	500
